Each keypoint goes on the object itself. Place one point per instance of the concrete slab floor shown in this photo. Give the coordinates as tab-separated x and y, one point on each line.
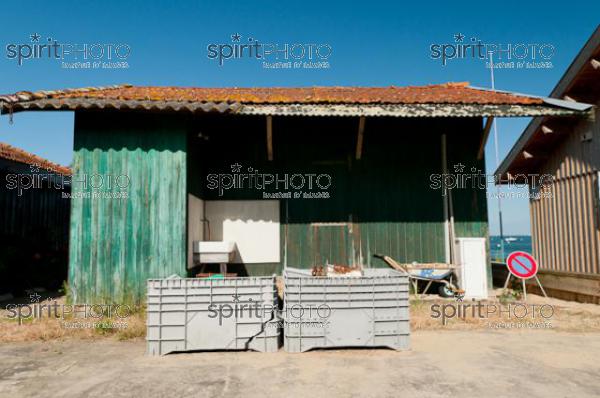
530	363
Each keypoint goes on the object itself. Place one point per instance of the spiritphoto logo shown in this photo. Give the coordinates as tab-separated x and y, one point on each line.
272	186
71	316
520	315
272	55
37	178
474	178
498	55
70	55
295	315
83	185
99	186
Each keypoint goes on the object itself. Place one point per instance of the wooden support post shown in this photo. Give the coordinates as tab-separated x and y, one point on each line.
507	279
448	243
540	285
427	287
270	137
486	133
359	140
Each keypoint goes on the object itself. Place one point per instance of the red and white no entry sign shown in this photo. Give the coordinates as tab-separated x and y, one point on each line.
522	265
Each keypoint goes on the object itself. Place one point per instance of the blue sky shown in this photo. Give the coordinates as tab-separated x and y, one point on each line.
374	44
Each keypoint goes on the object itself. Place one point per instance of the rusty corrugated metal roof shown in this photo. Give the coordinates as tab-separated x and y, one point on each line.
448	93
21	156
442	100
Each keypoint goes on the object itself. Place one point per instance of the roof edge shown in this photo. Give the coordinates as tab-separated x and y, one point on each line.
580	59
558	91
19	155
303	109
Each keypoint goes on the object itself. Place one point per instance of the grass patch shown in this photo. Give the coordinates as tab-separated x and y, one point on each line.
101	325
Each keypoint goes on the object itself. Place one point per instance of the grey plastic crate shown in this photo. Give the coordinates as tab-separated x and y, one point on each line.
367	311
212	314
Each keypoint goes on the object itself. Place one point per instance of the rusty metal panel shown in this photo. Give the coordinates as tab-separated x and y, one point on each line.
438	93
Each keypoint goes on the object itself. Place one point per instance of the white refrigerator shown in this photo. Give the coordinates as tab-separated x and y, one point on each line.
470	256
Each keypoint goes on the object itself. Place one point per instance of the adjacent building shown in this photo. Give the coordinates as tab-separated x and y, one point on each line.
34	221
565	213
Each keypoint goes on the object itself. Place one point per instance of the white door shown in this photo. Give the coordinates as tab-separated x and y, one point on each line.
470	255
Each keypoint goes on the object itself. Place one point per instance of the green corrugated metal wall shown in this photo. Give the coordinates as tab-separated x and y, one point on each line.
382	203
116	244
386	196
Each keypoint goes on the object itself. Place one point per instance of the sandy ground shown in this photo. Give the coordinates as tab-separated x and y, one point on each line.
463	358
532	363
566	316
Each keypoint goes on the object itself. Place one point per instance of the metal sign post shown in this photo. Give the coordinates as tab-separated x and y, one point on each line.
523	266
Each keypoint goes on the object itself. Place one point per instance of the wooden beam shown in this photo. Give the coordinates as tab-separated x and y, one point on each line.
359	140
547	130
270	137
538	155
583	287
595	63
486	133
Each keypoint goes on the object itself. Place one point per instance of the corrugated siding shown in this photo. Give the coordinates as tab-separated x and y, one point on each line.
116	244
37	213
34	232
382	203
565	225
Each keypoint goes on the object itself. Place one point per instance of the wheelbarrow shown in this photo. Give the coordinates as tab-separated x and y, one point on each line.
429	273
